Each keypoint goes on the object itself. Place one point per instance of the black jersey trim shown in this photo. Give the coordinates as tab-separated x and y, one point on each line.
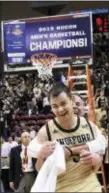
90	128
48	132
67	130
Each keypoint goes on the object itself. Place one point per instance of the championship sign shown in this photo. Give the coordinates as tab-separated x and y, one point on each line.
64	36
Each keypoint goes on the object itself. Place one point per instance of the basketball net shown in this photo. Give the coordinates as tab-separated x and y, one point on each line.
44	63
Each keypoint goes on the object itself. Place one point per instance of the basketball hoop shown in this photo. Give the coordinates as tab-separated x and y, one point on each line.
44	63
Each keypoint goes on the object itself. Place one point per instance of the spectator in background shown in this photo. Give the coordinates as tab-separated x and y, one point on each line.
1	186
37	92
22	173
96	96
57	76
5	153
46	105
102	100
17	130
32	132
100	114
12	142
79	107
23	126
1	183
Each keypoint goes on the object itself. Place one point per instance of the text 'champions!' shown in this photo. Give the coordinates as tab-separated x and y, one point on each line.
58	44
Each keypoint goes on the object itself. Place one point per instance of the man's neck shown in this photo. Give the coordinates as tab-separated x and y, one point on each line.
68	124
24	145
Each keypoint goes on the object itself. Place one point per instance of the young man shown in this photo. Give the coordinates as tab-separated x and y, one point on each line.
73	133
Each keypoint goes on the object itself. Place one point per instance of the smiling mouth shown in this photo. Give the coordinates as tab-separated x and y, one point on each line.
63	114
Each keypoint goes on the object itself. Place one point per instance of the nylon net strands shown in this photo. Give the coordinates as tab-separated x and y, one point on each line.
44	63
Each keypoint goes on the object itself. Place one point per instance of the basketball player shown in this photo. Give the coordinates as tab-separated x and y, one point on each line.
70	131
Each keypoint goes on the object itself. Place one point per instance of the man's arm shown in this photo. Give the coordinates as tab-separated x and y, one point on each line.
95	149
47	148
99	144
92	159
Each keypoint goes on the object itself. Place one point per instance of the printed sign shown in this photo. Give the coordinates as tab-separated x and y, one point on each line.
65	36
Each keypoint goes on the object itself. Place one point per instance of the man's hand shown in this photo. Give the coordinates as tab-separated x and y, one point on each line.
46	150
11	184
92	159
77	149
67	153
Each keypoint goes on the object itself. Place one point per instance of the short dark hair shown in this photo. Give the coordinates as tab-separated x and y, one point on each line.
57	89
12	136
76	94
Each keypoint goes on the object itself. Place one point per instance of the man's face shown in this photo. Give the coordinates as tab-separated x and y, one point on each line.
25	138
79	106
22	124
101	93
10	139
62	106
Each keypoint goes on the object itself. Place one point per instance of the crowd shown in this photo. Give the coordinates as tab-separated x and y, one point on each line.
23	95
101	63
